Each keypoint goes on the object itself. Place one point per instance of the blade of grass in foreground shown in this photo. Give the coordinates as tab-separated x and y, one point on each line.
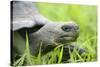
39	54
20	61
60	55
28	55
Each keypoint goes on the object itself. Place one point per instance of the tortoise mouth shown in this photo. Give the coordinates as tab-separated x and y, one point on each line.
63	36
67	38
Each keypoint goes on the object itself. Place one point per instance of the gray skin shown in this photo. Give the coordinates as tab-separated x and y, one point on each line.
53	34
25	16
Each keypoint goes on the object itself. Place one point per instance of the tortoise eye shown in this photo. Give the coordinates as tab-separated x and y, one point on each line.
66	28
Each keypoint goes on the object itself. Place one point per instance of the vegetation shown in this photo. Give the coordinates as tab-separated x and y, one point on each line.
85	16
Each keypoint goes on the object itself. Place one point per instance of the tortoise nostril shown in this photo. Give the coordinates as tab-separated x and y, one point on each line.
66	28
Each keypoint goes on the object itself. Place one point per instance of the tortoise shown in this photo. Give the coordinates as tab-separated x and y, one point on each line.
26	17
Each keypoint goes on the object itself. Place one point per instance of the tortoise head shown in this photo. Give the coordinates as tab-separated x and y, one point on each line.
69	33
59	32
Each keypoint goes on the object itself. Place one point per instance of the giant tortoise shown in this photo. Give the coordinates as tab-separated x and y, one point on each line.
25	17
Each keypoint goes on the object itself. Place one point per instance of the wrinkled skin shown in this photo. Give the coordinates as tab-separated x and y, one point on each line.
52	34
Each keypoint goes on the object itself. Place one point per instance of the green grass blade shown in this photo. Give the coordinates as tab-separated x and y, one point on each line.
60	55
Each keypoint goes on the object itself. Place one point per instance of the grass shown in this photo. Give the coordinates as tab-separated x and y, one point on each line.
85	16
49	58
